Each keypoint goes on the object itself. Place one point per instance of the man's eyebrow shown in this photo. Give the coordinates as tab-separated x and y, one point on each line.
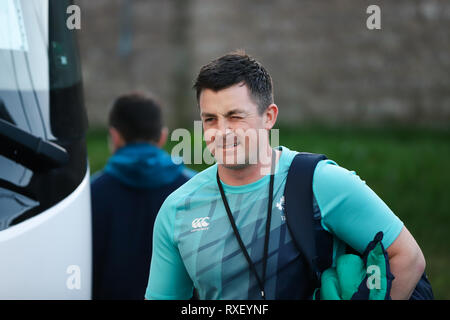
206	114
233	112
228	114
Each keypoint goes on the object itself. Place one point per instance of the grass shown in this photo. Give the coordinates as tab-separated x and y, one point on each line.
406	167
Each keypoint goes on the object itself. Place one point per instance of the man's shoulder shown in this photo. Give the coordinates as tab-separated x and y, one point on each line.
328	171
100	180
202	179
289	155
332	181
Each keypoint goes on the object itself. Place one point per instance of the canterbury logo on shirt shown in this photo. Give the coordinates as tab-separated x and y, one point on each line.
200	224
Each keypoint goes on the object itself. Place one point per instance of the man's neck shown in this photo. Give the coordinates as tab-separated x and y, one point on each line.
248	174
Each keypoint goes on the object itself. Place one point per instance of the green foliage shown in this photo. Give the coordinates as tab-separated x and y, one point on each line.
406	167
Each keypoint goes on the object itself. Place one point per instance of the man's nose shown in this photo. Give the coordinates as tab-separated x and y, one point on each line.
223	125
224	130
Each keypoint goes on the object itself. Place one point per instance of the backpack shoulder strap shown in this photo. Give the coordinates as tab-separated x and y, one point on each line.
298	197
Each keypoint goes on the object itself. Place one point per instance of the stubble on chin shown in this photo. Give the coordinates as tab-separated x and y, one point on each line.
235	166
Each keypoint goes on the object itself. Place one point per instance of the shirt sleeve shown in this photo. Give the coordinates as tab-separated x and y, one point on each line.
350	209
168	279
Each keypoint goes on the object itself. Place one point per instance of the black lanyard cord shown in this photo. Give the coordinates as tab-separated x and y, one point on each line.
267	235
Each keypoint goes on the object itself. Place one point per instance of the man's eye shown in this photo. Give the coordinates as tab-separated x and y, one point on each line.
209	119
236	117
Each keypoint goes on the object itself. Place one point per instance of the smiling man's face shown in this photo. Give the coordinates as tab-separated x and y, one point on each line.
234	129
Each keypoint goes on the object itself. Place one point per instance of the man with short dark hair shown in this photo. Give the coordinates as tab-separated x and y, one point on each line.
215	232
127	195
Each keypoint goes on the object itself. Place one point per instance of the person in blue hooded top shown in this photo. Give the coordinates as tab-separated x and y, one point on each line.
127	195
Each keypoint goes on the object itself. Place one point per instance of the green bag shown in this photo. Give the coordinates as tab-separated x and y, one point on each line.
359	278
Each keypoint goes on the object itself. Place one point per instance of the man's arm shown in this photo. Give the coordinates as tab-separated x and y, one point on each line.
168	279
354	214
407	264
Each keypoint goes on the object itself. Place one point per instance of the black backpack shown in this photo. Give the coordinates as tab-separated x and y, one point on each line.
312	241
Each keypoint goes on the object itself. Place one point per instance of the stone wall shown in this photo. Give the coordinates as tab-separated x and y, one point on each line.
326	65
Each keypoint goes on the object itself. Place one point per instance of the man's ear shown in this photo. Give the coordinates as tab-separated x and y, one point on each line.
116	139
270	116
163	137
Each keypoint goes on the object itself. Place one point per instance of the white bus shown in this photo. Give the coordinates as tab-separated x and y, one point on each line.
45	223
